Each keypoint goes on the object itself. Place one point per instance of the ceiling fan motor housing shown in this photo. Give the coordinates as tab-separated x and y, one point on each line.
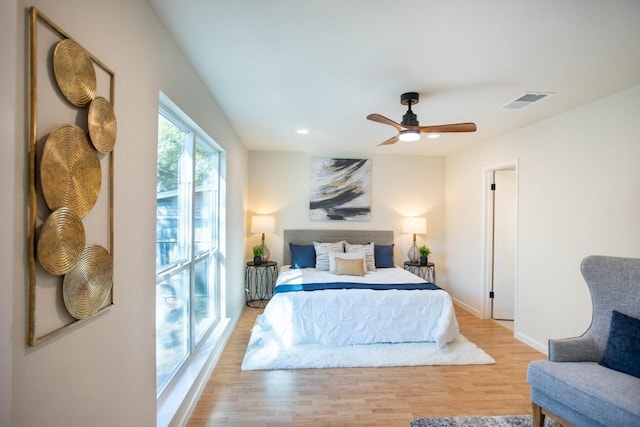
409	118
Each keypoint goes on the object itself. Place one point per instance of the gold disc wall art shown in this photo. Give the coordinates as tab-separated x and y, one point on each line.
62	239
74	72
70	171
87	286
72	134
102	125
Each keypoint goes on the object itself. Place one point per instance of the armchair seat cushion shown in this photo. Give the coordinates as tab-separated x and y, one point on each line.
592	393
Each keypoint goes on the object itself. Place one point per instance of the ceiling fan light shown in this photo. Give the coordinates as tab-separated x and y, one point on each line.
409	135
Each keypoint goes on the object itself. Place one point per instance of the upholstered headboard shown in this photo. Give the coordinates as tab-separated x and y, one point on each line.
307	237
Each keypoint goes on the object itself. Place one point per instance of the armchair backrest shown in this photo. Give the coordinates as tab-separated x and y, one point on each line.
614	284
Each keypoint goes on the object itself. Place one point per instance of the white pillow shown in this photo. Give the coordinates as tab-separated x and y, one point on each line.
334	255
367	250
322	253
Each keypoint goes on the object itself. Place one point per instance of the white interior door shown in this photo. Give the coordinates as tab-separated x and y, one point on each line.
504	241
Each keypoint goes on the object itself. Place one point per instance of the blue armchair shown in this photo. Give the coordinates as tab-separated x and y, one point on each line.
594	379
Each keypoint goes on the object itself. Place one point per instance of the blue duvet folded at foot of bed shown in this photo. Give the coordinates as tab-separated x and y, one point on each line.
350	285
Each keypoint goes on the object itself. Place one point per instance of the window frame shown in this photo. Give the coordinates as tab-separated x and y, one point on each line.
192	257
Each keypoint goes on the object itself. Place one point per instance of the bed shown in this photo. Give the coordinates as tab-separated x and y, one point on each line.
388	305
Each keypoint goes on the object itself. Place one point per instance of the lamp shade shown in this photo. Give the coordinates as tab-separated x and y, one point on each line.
263	224
414	225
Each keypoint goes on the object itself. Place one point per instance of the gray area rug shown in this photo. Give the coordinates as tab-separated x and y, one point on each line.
495	421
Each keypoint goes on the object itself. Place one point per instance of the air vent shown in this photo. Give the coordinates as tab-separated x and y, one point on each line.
525	100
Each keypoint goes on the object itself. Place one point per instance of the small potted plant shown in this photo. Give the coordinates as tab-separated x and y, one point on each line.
424	254
257	255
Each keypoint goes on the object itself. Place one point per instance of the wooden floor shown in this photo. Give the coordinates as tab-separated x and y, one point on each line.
367	396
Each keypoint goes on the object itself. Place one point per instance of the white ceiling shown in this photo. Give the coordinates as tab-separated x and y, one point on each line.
275	66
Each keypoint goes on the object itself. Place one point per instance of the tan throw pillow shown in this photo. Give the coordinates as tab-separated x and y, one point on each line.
334	255
349	267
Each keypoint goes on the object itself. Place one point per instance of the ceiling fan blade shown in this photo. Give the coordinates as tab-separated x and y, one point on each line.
390	141
455	127
382	119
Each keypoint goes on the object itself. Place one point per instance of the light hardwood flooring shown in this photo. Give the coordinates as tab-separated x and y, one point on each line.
367	396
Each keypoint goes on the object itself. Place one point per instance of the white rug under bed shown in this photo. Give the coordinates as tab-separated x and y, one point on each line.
266	351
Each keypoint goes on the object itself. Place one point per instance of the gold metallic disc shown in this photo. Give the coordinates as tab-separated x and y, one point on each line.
70	171
102	125
87	285
74	72
61	241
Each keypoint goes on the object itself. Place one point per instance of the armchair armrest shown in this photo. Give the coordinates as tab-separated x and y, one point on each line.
577	349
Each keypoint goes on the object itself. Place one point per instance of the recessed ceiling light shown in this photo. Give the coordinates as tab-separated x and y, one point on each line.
433	135
302	131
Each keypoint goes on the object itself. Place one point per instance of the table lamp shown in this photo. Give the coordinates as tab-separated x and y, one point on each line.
414	225
263	224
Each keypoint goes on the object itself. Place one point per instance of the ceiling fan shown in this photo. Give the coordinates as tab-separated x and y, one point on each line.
409	129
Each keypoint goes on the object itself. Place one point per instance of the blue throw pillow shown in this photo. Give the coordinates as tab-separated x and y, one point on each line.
302	256
623	346
383	255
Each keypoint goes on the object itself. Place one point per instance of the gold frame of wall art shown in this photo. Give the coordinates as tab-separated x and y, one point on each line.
47	298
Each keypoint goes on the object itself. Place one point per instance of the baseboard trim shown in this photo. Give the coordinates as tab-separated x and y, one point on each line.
542	348
467	307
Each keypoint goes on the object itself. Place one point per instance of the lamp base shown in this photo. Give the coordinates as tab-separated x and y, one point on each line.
265	252
413	253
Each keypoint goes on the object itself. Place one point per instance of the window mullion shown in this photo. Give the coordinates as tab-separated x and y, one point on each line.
192	211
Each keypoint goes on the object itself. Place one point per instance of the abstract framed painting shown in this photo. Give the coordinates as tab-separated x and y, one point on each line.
340	189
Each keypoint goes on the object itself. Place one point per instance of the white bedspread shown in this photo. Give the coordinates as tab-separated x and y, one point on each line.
359	316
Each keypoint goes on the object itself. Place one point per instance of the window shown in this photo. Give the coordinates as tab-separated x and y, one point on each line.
187	256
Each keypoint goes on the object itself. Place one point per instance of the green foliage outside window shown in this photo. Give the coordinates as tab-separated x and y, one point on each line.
170	145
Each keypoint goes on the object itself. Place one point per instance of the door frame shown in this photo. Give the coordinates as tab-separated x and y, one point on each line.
487	257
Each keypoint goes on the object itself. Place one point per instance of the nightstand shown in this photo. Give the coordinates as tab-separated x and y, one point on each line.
426	272
259	281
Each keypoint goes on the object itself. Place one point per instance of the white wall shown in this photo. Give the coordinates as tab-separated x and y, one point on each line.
400	185
103	372
579	184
